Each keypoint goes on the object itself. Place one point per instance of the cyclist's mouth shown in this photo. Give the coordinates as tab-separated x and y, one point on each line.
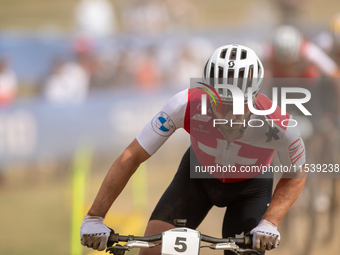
231	129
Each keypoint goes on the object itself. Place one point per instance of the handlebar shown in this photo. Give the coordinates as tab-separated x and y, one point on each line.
230	243
115	238
242	241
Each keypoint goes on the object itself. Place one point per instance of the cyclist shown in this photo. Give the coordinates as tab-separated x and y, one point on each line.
251	206
312	67
304	64
291	56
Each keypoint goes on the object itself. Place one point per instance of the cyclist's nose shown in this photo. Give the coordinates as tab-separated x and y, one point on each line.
229	115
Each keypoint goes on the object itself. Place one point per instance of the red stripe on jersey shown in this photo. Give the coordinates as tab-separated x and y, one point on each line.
296	150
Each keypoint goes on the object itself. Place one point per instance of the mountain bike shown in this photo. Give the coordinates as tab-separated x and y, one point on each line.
180	241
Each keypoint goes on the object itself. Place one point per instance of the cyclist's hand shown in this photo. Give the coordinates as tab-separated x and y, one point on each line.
94	234
265	236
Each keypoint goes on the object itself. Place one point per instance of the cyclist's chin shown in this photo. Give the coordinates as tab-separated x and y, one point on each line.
231	130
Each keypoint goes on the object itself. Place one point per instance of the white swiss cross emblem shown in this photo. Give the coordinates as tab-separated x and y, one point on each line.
226	157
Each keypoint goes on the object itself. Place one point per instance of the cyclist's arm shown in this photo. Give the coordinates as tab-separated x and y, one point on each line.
286	192
325	63
153	135
291	153
117	177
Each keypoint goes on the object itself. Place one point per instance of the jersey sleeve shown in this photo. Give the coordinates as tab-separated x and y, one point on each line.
164	124
320	59
292	152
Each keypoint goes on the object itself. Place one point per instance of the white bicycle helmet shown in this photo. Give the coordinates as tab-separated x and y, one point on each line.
235	65
287	41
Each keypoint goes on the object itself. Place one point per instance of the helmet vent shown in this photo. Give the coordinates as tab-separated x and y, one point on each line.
241	73
220	75
240	78
250	76
220	91
230	76
233	54
250	73
223	53
212	70
243	54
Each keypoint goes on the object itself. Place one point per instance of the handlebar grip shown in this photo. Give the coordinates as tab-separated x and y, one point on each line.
245	241
113	238
248	241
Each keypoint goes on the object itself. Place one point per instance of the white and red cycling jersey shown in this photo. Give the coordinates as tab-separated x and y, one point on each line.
265	135
313	63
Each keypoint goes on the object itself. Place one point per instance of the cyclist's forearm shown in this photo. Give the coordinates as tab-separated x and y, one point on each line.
117	178
111	187
286	192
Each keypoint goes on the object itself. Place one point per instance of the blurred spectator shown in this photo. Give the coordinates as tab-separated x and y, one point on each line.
291	11
122	69
8	83
146	17
105	66
146	73
85	52
8	93
192	56
68	83
95	17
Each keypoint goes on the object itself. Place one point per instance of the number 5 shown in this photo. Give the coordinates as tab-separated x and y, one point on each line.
181	241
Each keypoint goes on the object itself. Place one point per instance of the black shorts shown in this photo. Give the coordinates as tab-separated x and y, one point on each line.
191	199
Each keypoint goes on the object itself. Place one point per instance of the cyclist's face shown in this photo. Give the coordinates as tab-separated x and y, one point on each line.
225	111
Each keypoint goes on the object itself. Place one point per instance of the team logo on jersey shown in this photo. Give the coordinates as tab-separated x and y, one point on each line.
201	129
163	124
272	133
200	117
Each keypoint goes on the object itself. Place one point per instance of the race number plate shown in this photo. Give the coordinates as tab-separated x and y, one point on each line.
181	241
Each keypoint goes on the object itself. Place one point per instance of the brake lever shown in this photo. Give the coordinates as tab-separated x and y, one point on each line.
248	251
117	249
